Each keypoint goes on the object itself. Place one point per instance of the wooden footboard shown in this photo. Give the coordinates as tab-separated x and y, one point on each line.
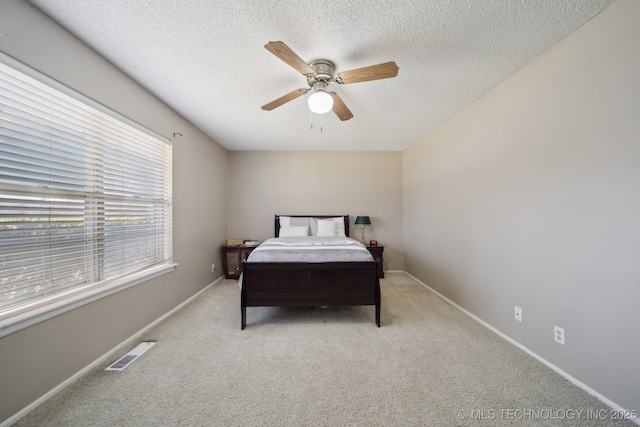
300	284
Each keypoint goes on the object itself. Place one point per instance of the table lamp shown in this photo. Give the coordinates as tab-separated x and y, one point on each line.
362	220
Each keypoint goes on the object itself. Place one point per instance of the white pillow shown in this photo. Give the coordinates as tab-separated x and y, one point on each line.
313	226
340	226
294	231
285	221
290	221
326	227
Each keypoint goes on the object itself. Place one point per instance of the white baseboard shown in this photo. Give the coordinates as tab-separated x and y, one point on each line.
99	361
575	381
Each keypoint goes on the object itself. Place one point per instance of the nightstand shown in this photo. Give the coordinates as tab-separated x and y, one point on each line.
377	253
232	257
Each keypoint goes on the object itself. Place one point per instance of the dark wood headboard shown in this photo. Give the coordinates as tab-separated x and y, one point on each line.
346	221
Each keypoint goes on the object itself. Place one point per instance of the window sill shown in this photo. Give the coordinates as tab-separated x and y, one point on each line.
26	317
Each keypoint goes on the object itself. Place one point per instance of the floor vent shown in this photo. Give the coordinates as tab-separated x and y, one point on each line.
126	360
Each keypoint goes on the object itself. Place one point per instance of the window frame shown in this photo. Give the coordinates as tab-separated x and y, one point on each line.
28	314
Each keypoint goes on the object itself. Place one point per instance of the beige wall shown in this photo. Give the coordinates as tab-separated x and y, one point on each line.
37	359
531	197
263	184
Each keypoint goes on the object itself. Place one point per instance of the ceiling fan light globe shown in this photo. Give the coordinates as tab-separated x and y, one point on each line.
320	102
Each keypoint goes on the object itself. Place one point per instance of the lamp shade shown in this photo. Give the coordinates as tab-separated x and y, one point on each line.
320	101
362	220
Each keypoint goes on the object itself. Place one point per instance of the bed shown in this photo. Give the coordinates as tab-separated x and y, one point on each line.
310	269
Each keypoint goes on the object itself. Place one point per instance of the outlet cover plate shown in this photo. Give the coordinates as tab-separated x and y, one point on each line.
517	313
558	334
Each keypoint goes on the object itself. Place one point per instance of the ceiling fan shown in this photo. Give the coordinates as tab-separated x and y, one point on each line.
320	74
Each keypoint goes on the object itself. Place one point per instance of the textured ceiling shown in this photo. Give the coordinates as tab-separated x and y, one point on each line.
206	59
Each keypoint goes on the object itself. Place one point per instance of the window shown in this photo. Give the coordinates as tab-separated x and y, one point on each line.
85	194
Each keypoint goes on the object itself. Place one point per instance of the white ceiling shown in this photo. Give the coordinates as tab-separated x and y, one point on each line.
206	59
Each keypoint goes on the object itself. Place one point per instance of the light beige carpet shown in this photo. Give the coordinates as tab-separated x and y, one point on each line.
428	365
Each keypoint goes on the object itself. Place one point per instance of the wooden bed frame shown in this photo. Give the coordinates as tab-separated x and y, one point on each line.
302	284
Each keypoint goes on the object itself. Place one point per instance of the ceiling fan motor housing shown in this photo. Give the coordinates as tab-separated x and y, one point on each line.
324	70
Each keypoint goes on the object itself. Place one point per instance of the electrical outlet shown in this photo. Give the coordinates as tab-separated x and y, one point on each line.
213	268
517	313
558	334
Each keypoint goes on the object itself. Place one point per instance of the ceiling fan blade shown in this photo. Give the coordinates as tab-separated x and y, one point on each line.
284	99
283	52
340	108
373	72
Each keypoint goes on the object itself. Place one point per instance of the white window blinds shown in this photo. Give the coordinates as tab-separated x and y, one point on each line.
85	197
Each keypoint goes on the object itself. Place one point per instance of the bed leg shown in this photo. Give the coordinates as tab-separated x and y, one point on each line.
378	301
243	322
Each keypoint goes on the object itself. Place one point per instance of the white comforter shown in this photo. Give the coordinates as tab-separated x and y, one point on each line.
310	249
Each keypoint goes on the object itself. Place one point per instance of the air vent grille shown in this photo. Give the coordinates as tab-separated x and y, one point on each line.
126	360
